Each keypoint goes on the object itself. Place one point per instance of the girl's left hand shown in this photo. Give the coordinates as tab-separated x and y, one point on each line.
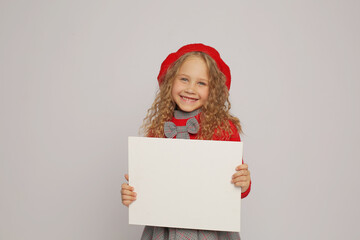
242	177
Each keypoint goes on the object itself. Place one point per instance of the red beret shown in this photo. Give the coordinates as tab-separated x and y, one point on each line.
195	47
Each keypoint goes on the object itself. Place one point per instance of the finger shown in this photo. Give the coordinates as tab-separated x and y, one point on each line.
242	167
127	187
241	184
127	203
126	197
127	192
241	173
127	177
240	179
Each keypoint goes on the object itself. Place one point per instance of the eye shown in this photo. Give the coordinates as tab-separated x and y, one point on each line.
202	83
184	79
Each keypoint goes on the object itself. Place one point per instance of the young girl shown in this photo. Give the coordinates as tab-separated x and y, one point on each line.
193	103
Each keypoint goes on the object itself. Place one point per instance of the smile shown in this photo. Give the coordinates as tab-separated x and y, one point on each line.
188	99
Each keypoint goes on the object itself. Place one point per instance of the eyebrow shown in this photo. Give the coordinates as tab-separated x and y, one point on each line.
183	74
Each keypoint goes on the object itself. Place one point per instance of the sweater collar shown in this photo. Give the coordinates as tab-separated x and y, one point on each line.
179	114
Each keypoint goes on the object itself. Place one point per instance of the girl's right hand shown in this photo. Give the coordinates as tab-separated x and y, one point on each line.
127	193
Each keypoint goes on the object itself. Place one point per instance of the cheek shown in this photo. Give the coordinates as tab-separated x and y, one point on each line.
176	88
174	91
205	94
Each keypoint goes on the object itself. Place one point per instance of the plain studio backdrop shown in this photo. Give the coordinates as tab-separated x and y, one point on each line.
78	76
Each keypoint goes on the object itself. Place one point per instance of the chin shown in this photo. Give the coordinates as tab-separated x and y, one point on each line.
188	109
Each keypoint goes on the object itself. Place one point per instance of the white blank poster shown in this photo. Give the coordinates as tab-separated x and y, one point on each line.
185	183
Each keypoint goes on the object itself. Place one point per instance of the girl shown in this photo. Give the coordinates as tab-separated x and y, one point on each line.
194	90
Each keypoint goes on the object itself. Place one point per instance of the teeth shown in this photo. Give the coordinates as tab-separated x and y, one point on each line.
189	99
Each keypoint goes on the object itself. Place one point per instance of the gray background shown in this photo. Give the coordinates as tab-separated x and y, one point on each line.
78	76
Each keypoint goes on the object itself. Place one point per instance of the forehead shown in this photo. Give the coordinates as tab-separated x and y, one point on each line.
194	57
194	63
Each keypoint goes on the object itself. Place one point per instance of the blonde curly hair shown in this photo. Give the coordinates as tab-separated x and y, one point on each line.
215	113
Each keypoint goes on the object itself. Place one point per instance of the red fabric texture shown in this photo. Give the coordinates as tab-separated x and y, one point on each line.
195	47
235	136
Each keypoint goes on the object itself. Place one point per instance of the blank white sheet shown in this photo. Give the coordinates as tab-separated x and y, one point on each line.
184	183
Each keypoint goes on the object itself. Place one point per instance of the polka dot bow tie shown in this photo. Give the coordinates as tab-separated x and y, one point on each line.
182	132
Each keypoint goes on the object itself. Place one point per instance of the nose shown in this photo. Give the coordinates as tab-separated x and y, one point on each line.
190	88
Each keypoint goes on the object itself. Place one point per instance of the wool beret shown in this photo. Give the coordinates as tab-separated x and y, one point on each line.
195	47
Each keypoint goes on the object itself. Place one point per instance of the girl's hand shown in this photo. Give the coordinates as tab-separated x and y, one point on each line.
127	193
242	177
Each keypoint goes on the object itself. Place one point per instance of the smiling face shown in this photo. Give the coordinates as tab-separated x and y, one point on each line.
190	89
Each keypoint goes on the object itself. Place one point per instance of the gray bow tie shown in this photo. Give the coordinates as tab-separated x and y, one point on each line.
181	132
